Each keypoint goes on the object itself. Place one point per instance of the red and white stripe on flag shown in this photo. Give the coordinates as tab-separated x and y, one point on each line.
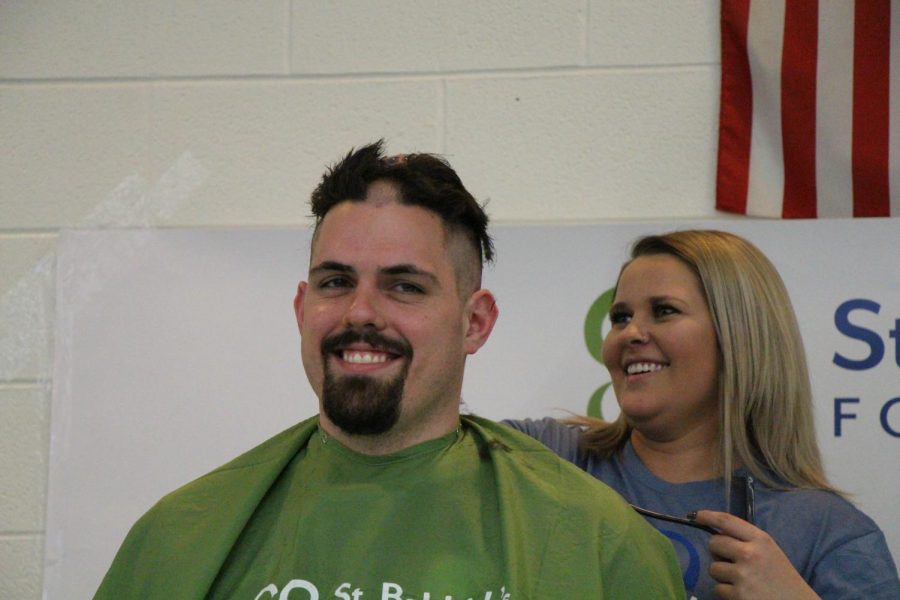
809	123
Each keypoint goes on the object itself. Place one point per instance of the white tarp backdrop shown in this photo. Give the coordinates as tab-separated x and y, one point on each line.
177	350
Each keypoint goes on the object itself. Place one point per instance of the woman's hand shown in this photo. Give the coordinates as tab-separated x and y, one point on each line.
748	564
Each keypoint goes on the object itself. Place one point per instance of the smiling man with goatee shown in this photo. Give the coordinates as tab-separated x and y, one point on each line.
389	493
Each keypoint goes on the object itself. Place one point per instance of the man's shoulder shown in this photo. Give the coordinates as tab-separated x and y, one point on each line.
532	461
238	477
202	519
564	507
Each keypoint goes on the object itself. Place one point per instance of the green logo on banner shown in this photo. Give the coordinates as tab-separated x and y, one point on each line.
593	339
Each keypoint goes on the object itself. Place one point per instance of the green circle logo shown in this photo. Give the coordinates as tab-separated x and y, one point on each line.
593	324
593	339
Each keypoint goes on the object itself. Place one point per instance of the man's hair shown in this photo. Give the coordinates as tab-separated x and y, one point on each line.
765	399
424	180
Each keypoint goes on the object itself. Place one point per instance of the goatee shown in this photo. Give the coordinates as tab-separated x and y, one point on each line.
359	404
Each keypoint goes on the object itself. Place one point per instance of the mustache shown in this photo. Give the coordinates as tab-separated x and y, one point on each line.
367	336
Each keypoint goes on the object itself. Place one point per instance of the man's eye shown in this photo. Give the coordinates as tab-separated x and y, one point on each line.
407	288
334	283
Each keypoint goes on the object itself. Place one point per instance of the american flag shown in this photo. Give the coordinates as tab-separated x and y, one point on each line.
809	123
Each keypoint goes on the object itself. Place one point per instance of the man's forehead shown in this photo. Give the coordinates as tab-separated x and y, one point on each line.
381	230
385	211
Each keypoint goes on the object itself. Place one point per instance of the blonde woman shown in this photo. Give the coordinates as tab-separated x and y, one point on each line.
709	371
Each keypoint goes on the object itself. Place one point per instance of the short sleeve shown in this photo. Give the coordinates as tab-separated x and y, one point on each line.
859	568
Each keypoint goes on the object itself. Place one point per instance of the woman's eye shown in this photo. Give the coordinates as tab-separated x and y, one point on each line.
663	310
618	317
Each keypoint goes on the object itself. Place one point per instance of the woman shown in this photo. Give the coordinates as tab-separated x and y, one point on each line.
709	371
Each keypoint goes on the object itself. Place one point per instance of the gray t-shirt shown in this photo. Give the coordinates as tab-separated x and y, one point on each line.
839	551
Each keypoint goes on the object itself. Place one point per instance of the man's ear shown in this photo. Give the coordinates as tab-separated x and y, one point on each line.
481	314
298	304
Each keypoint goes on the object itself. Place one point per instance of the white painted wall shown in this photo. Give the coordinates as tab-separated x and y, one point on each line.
224	112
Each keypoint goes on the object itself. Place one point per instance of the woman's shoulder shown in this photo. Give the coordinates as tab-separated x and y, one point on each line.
796	516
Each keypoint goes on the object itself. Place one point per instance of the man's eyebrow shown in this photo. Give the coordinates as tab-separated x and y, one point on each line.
410	269
331	265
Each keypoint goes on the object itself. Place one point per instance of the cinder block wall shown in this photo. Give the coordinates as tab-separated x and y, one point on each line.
223	113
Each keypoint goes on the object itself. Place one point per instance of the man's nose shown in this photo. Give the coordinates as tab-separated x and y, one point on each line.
365	309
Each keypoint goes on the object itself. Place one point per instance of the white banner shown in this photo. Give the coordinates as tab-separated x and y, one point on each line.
176	350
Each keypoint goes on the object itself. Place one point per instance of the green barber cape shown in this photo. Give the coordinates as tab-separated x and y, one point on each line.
561	534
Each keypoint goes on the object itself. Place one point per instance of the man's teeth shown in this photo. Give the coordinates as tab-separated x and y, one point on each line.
364	357
643	367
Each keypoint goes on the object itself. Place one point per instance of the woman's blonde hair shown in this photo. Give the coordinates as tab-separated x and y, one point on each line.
765	400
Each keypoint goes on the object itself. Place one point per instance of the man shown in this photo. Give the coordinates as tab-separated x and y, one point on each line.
389	493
